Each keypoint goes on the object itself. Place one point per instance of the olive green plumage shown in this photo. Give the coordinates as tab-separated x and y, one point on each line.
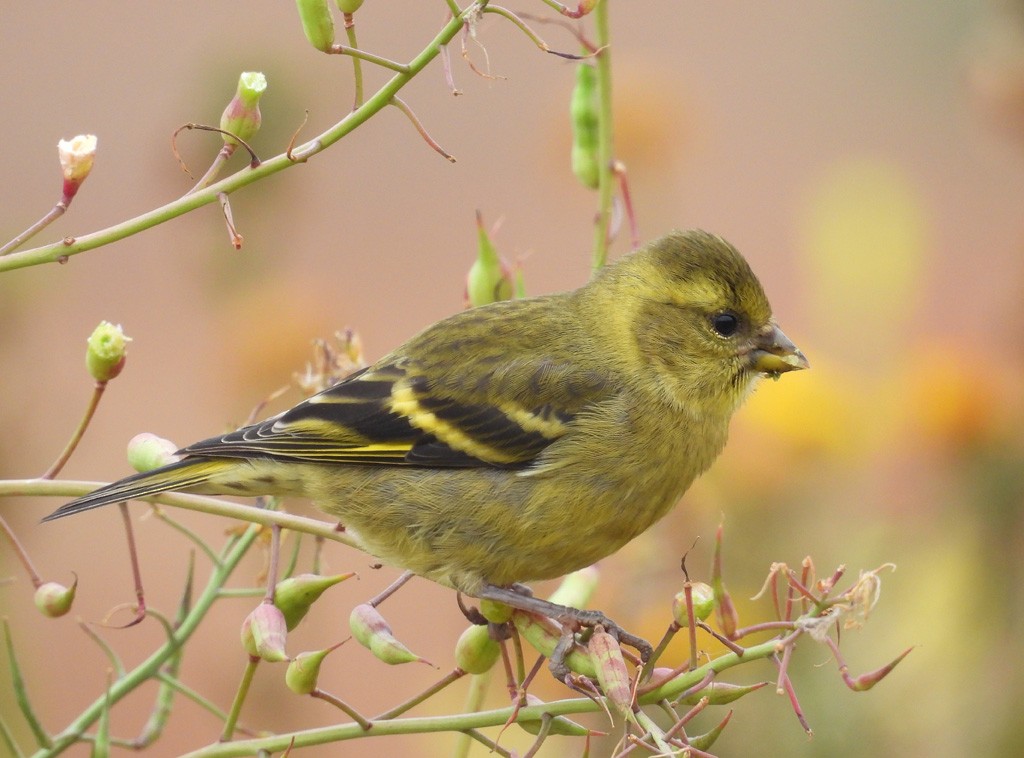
520	440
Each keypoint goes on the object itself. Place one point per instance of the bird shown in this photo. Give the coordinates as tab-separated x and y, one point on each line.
520	440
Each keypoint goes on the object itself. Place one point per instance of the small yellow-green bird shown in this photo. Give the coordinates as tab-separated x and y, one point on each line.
520	440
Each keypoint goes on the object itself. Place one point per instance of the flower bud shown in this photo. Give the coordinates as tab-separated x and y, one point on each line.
701	596
106	352
576	588
373	632
476	652
304	670
489	279
242	116
317	23
349	6
147	452
296	595
264	632
54	599
76	159
585	112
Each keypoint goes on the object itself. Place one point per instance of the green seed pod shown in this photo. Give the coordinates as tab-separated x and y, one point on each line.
296	595
304	670
611	670
264	633
722	693
703	599
242	115
349	6
494	611
585	112
489	279
105	354
374	633
54	599
147	452
706	740
317	23
543	634
476	652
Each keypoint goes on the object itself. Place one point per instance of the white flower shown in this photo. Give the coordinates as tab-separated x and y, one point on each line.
76	157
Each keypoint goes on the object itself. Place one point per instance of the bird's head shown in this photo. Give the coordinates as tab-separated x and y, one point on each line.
698	323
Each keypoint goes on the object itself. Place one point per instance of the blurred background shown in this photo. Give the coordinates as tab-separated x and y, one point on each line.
868	159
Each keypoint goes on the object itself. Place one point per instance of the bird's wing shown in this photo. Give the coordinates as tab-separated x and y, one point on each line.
504	414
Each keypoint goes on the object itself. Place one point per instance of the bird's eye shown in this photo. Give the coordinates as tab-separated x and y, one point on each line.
725	323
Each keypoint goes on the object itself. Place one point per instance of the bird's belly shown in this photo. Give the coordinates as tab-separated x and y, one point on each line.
466	527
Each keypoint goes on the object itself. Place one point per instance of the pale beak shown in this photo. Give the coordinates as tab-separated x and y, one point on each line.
773	353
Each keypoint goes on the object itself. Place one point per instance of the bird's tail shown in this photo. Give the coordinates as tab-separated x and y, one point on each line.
185	474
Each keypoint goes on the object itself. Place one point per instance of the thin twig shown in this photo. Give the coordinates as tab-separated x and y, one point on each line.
401	105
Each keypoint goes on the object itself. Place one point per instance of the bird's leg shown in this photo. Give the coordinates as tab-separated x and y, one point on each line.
568	617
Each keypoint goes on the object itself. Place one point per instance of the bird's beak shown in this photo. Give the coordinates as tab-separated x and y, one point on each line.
773	353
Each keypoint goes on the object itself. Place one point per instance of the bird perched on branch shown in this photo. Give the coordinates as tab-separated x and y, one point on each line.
520	440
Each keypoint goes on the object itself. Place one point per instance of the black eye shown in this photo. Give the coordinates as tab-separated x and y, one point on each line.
725	323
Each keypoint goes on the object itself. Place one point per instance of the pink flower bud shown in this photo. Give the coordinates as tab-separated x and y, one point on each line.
264	632
242	116
373	632
76	159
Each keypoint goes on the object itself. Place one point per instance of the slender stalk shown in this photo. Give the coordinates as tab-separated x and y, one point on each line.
76	436
240	694
61	251
51	215
150	667
603	65
357	64
430	691
23	556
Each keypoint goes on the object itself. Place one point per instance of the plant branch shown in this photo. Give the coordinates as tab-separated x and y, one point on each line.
61	251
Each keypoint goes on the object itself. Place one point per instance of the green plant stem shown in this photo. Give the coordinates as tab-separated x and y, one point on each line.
63	250
429	692
8	739
357	64
472	720
240	694
150	667
219	161
201	503
76	437
191	535
605	187
194	696
21	693
478	684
